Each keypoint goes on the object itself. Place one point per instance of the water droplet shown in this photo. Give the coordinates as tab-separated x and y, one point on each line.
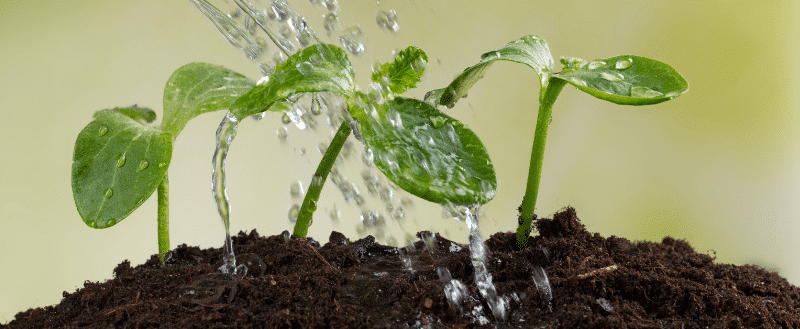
258	116
121	161
335	214
296	190
322	148
367	157
109	193
399	213
350	39
293	212
624	63
330	5
305	68
386	195
317	180
372	219
330	22
102	131
140	201
162	164
285	118
644	92
387	20
143	164
352	45
359	200
283	134
614	76
316	107
596	64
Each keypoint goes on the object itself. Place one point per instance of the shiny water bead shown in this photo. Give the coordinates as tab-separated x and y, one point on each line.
296	190
330	22
387	20
623	63
596	64
611	76
283	134
294	211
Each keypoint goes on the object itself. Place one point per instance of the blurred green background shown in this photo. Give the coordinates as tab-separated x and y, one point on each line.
717	166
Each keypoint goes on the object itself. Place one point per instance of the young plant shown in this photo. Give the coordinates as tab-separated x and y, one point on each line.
626	80
416	146
120	158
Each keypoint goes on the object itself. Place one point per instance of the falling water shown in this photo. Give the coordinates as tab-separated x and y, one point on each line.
483	279
225	134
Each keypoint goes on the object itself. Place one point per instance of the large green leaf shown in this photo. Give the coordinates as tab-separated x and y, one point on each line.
197	88
428	153
627	80
530	50
404	72
321	67
117	164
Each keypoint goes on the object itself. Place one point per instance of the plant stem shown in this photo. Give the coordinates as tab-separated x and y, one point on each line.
318	180
548	97
163	219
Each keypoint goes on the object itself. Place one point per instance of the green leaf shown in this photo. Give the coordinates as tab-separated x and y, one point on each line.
198	88
117	164
428	153
627	80
404	72
321	67
530	50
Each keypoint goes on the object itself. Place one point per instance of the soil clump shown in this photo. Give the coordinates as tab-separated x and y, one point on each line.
595	282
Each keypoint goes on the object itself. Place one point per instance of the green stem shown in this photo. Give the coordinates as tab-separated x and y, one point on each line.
548	97
304	218
163	219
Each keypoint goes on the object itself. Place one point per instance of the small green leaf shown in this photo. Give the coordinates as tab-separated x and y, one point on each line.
117	164
321	67
198	88
404	72
530	50
428	153
627	80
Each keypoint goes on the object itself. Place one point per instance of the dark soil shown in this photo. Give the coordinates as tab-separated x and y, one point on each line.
596	282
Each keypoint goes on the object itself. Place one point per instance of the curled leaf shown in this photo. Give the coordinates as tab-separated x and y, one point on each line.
318	68
404	72
530	50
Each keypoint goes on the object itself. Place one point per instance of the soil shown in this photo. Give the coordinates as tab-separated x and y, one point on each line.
594	282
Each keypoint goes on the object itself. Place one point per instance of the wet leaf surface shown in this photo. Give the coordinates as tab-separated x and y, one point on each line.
428	153
318	68
117	164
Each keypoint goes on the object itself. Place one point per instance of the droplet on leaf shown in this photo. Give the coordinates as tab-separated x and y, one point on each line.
624	63
644	92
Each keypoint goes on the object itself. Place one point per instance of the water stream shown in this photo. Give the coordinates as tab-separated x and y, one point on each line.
294	34
225	134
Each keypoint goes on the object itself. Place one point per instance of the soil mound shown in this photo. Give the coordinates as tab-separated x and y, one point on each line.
595	282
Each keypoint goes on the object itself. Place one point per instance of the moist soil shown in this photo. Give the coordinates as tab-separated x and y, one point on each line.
594	282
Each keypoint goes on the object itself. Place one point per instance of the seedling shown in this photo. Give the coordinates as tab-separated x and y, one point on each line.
120	158
416	146
626	80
